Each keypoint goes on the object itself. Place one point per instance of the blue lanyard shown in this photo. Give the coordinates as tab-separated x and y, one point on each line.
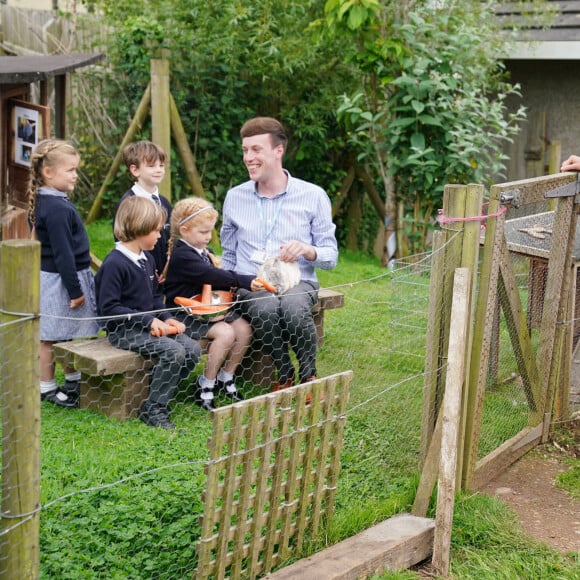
267	232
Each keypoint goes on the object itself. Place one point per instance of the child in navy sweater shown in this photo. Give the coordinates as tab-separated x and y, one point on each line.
67	289
189	267
127	294
146	163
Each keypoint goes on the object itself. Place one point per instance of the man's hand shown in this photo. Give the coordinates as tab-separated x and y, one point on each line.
571	164
292	250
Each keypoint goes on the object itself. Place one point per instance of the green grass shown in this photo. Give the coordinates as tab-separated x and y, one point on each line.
101	235
121	500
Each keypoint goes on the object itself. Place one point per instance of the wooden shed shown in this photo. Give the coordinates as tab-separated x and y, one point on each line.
23	123
544	62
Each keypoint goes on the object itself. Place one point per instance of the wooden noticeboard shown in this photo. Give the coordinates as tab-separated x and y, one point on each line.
29	124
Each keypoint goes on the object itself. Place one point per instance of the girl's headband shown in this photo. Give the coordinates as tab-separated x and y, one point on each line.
186	219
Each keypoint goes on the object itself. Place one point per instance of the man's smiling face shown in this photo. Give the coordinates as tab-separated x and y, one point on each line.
262	160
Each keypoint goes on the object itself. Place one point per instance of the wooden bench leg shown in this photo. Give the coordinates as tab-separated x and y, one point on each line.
318	316
119	395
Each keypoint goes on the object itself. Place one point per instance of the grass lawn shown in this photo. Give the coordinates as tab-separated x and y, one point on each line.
122	500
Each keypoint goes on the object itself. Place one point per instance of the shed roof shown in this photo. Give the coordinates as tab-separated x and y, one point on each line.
560	41
29	69
564	27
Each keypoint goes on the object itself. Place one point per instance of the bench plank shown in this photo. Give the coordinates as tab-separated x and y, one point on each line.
96	357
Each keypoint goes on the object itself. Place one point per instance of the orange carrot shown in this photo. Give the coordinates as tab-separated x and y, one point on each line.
188	302
206	294
267	285
172	330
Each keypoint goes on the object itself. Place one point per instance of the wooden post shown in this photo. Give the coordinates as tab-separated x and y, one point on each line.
135	125
185	153
535	150
429	471
554	157
161	117
433	354
440	289
451	421
470	259
19	342
60	86
554	164
485	311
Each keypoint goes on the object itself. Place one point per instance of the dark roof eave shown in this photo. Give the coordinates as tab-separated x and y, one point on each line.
30	69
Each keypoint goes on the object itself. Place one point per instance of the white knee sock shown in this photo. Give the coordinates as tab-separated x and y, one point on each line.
47	386
224	376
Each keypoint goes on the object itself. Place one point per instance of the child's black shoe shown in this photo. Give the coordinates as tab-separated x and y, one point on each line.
59	398
155	416
72	389
228	388
204	397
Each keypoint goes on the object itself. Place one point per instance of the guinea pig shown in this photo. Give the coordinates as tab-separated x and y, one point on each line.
282	275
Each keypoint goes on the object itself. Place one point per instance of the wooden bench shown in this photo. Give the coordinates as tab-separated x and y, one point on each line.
115	381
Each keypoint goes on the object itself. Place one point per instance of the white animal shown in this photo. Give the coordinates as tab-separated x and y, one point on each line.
282	275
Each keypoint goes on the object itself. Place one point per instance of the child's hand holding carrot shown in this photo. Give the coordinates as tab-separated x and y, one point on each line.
261	284
160	328
179	326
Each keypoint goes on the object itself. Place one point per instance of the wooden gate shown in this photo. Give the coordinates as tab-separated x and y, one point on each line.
541	364
271	477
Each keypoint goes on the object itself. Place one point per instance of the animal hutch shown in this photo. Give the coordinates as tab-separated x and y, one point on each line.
531	237
23	123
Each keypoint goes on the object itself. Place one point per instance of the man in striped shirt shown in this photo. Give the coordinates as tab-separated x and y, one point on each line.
275	214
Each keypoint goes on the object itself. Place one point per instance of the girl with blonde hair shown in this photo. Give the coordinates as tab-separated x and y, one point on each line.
191	265
67	289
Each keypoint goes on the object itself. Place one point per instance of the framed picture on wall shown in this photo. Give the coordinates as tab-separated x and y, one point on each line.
30	124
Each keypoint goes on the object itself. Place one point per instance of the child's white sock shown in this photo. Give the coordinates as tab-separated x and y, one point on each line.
206	383
47	386
73	377
224	376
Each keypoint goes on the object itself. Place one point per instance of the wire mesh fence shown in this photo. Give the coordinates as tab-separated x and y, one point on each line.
507	402
120	499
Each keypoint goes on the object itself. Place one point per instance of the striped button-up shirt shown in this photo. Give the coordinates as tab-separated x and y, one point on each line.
254	227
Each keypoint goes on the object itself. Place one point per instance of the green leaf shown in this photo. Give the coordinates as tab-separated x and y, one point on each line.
356	17
418	141
403	122
430	120
418	106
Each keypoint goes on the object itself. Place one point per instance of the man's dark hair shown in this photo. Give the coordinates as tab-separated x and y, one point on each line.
265	126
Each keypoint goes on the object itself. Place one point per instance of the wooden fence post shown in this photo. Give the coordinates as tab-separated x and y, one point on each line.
19	345
464	204
451	421
453	207
433	353
161	118
469	259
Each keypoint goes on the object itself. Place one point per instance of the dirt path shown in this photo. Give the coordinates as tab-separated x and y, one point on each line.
529	487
